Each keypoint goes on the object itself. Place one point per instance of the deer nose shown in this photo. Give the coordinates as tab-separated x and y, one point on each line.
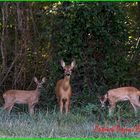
40	86
103	106
67	74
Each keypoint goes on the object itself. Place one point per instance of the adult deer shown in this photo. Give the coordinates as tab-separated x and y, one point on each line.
121	94
31	97
63	87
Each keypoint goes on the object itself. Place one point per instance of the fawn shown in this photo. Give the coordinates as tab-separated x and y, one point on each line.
31	97
121	94
63	87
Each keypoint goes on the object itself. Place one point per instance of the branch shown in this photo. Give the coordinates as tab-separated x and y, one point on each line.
12	64
4	23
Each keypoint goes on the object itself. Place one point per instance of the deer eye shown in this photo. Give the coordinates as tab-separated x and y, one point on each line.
70	69
65	69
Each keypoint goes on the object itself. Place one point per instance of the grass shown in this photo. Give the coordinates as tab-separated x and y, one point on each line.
78	123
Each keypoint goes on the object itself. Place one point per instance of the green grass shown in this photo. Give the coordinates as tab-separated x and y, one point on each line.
78	123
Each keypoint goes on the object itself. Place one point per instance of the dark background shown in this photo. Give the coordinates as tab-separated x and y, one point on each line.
103	38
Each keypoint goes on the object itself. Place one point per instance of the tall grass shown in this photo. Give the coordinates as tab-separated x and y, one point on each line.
81	122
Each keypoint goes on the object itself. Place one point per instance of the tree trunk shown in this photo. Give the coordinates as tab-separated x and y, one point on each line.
139	18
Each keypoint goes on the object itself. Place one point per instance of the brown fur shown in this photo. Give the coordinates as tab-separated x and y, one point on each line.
122	94
31	98
63	88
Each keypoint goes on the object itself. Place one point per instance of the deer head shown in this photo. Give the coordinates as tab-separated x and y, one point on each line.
39	84
103	101
68	68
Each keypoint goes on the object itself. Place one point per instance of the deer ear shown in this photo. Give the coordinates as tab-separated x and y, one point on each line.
73	63
35	80
43	80
62	63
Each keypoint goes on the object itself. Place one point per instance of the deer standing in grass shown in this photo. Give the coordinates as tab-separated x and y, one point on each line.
121	94
31	97
63	87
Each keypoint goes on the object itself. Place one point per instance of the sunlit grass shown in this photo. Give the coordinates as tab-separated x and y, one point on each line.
75	124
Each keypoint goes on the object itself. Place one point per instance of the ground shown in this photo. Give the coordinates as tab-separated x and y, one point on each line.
76	124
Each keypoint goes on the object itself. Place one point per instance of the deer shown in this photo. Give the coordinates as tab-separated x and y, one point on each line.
63	87
121	94
30	97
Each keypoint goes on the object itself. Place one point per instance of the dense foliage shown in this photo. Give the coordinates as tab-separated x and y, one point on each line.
101	37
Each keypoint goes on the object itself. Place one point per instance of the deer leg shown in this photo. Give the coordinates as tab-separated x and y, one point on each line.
111	109
8	107
5	106
135	104
8	103
67	106
135	109
31	108
61	106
